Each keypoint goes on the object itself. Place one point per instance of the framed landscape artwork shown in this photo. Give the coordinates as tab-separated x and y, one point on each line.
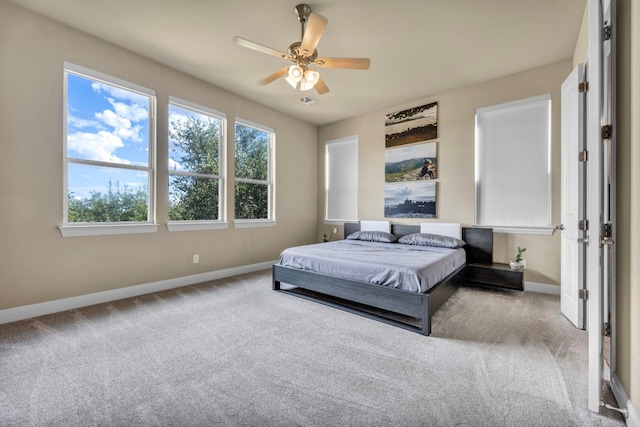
413	162
410	199
412	125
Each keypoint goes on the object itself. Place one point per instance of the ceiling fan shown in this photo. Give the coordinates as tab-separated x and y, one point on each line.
303	54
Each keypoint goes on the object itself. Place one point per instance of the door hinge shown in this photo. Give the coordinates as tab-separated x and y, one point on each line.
583	87
606	132
583	156
583	224
583	294
606	33
607	234
607	329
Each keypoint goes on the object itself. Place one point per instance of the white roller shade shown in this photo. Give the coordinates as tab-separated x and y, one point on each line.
341	185
513	164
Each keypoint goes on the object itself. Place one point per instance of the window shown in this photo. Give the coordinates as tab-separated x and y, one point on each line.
341	180
108	155
196	167
253	174
513	166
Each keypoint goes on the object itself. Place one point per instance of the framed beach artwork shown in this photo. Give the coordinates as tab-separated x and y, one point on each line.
410	199
413	162
412	125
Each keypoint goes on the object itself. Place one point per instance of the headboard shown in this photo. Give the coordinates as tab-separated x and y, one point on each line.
396	229
479	245
452	229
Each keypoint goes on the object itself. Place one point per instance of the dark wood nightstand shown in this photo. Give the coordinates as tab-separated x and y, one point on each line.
496	275
481	270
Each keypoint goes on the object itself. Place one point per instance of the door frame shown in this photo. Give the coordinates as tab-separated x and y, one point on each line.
595	207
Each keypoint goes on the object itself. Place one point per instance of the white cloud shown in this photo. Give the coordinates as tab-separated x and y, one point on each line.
120	94
174	165
399	191
121	125
175	117
124	114
99	146
133	112
80	122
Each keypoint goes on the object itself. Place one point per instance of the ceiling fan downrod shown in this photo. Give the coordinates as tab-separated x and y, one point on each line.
302	12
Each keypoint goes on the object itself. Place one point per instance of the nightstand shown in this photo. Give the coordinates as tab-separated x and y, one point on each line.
496	275
481	270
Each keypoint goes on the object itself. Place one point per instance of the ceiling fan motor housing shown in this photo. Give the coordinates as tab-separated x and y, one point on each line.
298	54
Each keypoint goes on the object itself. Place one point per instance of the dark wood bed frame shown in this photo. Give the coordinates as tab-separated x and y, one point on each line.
420	305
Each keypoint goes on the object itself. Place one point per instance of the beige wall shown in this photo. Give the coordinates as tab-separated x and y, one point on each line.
582	44
628	199
634	283
455	184
36	263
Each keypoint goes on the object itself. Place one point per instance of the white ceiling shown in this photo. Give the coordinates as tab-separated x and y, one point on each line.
418	48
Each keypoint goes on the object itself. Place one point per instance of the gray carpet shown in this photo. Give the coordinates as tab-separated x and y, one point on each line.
233	352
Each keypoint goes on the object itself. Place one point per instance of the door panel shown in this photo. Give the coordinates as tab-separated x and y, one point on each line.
572	198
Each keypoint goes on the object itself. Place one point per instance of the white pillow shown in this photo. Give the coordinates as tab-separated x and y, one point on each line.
451	229
375	226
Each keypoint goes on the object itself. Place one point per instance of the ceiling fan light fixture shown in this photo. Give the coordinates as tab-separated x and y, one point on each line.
305	85
309	79
293	83
296	73
311	76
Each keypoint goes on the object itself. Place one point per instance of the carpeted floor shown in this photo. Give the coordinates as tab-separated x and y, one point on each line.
234	352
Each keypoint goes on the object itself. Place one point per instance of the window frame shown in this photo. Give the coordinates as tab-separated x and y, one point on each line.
70	229
221	222
545	168
270	221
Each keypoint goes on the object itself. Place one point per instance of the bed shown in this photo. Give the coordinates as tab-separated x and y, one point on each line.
369	288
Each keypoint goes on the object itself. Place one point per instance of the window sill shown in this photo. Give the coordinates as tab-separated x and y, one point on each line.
546	231
196	225
106	229
252	223
338	221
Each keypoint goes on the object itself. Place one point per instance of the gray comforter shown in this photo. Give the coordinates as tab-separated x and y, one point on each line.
407	267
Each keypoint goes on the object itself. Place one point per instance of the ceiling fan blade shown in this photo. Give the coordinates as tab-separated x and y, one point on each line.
312	33
352	63
281	72
321	87
260	48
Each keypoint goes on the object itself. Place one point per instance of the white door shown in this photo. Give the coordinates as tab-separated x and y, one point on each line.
572	197
601	162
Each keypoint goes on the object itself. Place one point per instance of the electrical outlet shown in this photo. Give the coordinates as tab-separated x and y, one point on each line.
524	263
196	258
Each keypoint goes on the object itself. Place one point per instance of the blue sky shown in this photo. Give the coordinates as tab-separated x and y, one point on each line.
108	124
105	124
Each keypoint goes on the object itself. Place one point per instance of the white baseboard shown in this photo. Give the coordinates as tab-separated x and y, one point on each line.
34	310
623	401
541	288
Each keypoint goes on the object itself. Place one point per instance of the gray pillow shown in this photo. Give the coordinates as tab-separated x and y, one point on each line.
436	240
373	236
